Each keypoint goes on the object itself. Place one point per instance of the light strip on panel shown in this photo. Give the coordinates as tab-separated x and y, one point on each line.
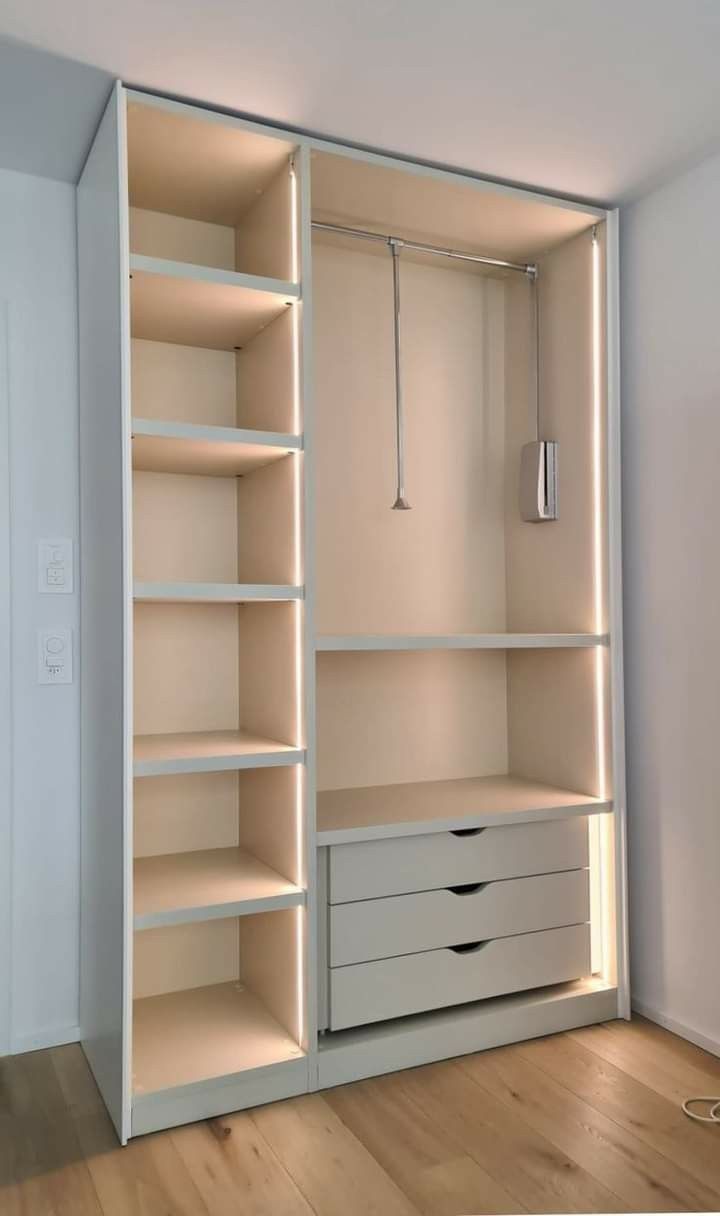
598	829
297	472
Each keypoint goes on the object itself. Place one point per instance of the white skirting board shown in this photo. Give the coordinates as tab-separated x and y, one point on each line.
209	1099
408	1042
54	1036
679	1028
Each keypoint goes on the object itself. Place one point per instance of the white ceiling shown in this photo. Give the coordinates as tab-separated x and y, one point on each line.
595	98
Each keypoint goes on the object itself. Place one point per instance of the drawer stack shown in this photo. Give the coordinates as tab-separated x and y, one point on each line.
421	922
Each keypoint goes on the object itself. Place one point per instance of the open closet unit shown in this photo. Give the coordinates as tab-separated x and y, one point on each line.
353	773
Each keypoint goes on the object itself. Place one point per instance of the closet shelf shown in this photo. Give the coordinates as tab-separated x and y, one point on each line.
458	641
205	885
210	751
417	808
202	306
211	451
201	1034
215	593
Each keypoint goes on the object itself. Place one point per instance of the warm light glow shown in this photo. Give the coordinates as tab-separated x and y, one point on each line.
599	894
298	567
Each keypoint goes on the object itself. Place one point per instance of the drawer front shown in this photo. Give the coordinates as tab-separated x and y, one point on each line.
370	869
395	987
404	924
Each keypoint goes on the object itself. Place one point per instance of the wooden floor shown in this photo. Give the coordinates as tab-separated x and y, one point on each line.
583	1122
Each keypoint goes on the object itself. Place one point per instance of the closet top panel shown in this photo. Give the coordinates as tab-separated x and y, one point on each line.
410	202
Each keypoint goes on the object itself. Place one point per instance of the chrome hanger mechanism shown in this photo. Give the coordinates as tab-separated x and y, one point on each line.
401	503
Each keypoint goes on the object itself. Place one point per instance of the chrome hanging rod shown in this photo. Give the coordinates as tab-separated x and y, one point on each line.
524	267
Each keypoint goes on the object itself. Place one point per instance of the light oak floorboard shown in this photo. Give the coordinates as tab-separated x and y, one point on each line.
582	1122
643	1112
642	1177
439	1178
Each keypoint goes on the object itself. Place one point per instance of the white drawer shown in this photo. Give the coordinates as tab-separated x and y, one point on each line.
395	987
395	866
405	924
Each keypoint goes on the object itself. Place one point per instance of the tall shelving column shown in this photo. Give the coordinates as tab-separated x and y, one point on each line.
220	871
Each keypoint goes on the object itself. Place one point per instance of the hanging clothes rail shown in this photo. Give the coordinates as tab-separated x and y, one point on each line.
361	234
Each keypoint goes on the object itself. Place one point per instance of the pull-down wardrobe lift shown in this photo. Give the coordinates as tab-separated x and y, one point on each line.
353	788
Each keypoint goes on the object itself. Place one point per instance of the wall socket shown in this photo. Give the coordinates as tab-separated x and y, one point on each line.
55	657
55	566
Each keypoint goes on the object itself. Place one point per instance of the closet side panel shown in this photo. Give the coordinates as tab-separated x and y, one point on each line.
550	566
106	587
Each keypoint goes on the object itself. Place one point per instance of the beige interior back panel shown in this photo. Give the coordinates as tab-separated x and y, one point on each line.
404	203
441	566
183	383
185	956
180	814
184	528
181	240
186	668
203	168
430	716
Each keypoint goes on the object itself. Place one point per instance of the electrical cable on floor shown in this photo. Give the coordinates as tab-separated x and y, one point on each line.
713	1115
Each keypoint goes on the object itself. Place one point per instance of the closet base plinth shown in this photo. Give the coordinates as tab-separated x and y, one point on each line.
351	1055
221	1096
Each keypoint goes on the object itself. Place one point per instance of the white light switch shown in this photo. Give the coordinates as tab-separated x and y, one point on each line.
55	656
55	566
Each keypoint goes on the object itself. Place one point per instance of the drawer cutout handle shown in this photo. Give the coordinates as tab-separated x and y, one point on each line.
466	831
468	888
468	948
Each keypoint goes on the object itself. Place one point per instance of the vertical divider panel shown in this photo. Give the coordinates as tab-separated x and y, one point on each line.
106	614
307	776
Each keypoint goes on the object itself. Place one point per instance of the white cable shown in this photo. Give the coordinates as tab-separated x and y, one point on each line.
713	1115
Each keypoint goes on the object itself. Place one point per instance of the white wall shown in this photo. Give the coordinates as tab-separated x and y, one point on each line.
39	907
671	407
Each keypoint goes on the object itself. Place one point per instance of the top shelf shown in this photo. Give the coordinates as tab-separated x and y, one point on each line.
201	306
458	641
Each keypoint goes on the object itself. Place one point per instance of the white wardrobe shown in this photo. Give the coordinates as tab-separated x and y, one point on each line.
353	776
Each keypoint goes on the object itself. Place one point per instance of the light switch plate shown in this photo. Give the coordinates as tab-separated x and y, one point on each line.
55	566
55	658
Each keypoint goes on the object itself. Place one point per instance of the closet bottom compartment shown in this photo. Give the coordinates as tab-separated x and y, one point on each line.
434	979
405	924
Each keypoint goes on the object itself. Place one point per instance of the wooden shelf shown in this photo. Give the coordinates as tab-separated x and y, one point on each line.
204	1033
202	306
210	451
204	885
457	641
215	593
416	808
209	751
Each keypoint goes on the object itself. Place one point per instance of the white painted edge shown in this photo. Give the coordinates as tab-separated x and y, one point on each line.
222	593
219	1096
199	433
127	552
458	641
219	763
317	143
427	827
140	263
237	907
310	869
350	1055
615	594
39	1040
6	717
678	1028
